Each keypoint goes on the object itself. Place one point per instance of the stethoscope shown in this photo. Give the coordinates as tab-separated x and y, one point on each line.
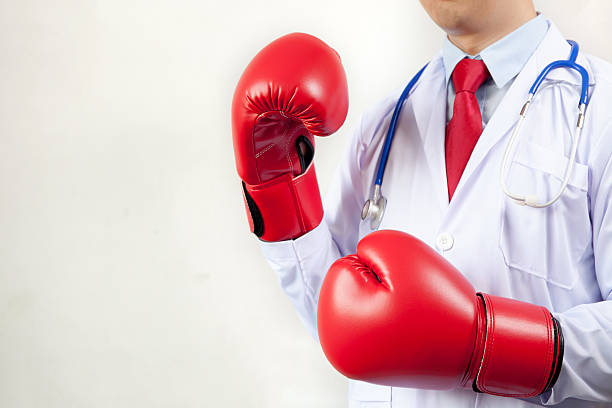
374	208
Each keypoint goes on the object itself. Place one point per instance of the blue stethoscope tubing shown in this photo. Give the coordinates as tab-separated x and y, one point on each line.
384	156
374	207
568	63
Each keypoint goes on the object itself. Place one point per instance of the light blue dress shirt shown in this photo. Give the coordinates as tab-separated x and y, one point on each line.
504	59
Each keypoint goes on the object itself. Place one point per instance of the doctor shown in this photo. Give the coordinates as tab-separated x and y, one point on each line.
442	183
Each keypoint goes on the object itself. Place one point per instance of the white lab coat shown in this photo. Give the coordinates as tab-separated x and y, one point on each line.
559	257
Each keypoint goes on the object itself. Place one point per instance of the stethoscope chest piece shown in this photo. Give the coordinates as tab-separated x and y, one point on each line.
374	209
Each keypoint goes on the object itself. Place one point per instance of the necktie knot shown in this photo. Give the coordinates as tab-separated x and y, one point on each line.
469	74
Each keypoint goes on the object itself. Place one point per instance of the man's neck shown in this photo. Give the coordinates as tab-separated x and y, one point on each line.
474	41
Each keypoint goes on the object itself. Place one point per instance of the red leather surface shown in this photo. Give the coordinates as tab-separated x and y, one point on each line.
415	328
295	87
397	313
519	348
294	205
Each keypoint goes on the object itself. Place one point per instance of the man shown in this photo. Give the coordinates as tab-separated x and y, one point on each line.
442	182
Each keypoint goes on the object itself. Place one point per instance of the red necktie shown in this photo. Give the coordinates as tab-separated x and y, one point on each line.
465	127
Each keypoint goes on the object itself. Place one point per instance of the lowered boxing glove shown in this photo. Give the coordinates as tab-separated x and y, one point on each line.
397	313
294	89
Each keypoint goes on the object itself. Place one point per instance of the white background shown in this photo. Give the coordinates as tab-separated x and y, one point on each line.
128	277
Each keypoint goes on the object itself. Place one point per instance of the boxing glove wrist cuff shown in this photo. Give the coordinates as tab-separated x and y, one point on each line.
285	207
523	348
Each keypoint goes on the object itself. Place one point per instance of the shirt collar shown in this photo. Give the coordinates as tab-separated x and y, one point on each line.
504	58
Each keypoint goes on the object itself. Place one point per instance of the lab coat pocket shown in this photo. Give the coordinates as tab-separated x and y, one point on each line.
545	242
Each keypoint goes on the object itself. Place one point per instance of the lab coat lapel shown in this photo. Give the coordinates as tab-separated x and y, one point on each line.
553	47
429	105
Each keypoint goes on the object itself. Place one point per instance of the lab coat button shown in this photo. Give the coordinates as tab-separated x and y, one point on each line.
445	241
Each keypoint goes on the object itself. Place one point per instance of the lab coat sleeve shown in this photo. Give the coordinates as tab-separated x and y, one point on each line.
301	264
586	373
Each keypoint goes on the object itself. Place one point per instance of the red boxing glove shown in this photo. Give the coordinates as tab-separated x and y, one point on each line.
293	89
397	313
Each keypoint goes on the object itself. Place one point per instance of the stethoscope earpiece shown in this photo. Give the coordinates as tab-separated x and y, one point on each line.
531	200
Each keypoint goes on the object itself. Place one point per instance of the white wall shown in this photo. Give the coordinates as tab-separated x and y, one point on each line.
127	275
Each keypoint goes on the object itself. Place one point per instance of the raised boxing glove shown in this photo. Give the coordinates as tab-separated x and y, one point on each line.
295	88
397	313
